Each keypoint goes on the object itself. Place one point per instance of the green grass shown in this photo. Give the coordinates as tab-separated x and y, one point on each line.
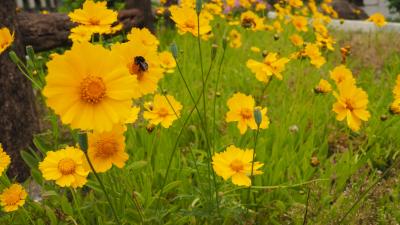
349	162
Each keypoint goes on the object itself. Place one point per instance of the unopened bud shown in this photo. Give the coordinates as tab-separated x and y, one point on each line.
276	37
14	57
224	42
174	50
150	128
83	141
199	4
30	52
257	116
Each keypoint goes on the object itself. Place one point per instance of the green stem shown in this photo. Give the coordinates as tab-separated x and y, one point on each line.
252	168
77	206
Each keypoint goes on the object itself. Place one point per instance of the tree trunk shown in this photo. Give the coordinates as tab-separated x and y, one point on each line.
18	120
145	7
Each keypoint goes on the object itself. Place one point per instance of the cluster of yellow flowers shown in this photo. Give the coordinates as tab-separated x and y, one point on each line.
395	106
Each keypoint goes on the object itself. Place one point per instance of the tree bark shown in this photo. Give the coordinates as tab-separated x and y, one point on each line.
145	7
18	120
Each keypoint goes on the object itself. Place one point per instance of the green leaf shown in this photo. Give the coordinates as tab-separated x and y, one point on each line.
136	165
66	206
52	216
29	159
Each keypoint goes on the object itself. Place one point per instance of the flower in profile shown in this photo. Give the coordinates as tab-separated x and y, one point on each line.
167	61
323	87
80	34
89	88
133	115
94	16
143	37
251	21
241	110
235	39
4	160
6	39
340	74
378	19
107	149
300	23
65	166
185	19
162	111
351	105
296	40
271	65
313	52
143	64
236	164
13	197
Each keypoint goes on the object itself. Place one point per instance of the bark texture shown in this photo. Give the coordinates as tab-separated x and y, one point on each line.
18	120
145	7
347	10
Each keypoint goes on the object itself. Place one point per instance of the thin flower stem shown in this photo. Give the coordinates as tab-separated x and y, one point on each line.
138	207
252	168
306	212
83	221
103	188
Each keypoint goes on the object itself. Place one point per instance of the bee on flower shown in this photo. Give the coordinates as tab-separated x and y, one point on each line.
271	65
323	87
13	197
236	164
250	20
241	110
6	39
163	110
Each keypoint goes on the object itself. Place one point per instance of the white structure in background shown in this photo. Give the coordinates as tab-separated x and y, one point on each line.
382	6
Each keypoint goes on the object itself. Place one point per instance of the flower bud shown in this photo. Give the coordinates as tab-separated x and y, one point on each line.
83	141
174	50
14	57
198	6
257	116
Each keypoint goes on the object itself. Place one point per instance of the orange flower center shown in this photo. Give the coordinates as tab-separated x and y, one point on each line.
246	113
12	198
350	104
237	165
190	24
106	148
93	89
94	21
66	166
163	112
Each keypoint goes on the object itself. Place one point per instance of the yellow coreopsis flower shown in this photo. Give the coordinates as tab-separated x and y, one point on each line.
13	197
95	16
4	160
241	110
250	20
378	19
396	90
272	65
255	49
340	74
143	64
300	23
107	148
277	26
133	115
351	105
295	3
89	88
80	34
167	61
68	167
296	40
325	41
313	52
143	37
395	106
235	39
236	164
185	19
213	9
162	111
323	87
260	6
6	39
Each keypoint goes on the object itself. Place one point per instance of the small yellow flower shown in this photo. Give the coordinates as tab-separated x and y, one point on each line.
6	39
260	6
241	110
296	40
4	160
143	37
255	49
313	52
250	20
325	41
80	34
13	197
300	23
272	65
167	61
378	19
340	74
395	106
107	148
66	166
95	16
236	163
133	115
351	105
235	39
296	3
323	87
186	21
396	90
163	111
277	26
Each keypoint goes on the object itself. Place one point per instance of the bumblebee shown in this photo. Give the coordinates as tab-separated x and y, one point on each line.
140	61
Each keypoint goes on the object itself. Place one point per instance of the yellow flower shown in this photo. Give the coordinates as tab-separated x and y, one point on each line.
143	37
300	23
396	90
186	21
351	104
95	16
260	6
296	40
13	197
235	40
250	20
162	110
143	64
133	115
107	148
325	41
89	88
255	49
323	87
6	39
213	9
4	160
340	74
167	61
66	166
80	34
241	110
277	26
312	51
296	3
395	106
236	163
272	65
378	19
